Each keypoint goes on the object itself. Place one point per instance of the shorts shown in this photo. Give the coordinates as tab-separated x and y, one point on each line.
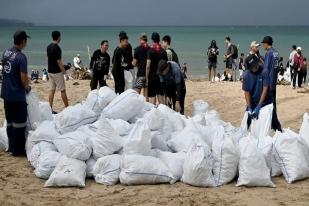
154	88
140	83
56	82
212	65
229	63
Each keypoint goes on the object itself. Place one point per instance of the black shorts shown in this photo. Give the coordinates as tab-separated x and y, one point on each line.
140	83
212	65
154	88
229	63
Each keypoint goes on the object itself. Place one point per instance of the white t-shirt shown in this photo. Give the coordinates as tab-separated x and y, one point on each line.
76	62
291	58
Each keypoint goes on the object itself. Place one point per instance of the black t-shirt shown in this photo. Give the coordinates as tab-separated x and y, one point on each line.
140	54
155	57
212	53
53	54
122	59
100	62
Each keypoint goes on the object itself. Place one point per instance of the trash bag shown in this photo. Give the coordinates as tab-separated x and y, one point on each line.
4	141
37	151
174	162
33	109
46	164
46	111
200	107
261	127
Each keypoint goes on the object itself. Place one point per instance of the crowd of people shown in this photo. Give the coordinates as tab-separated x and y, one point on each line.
159	76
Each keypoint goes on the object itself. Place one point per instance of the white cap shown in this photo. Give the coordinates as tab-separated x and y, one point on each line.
298	48
78	55
254	44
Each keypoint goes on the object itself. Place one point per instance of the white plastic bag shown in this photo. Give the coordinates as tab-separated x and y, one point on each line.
122	127
125	106
37	150
138	169
261	127
33	109
155	119
4	141
198	165
107	169
174	162
292	154
139	140
97	100
175	119
68	173
74	117
74	145
104	138
253	169
226	158
199	107
158	141
45	111
46	164
90	165
181	141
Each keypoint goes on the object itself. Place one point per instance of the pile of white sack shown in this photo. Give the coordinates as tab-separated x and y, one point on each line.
123	139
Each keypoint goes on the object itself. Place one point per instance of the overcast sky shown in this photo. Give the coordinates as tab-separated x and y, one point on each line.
157	12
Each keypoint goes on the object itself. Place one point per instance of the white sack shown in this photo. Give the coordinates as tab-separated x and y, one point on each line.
261	127
139	140
68	173
304	129
175	119
4	141
128	80
137	170
74	145
292	154
97	100
198	165
107	170
33	109
226	158
37	150
253	169
45	111
174	162
90	165
200	107
125	106
122	127
74	117
46	164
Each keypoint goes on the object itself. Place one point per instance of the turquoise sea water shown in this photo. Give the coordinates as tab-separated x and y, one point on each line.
190	43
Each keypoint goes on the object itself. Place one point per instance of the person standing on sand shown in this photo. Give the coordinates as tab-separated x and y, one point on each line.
291	63
256	87
241	66
171	54
298	68
128	56
15	85
78	65
155	54
230	57
140	60
99	66
212	53
120	63
56	70
305	71
271	66
173	84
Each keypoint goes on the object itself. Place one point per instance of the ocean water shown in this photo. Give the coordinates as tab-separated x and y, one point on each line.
190	43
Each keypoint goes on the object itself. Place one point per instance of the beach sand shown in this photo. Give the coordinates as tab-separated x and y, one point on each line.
19	185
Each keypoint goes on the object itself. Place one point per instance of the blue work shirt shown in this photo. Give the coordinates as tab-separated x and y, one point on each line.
14	62
254	84
271	65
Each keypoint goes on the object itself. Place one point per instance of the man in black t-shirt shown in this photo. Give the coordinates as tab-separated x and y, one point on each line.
139	60
155	54
56	70
99	65
120	58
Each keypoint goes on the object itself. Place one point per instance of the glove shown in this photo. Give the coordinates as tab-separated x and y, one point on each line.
28	89
256	112
249	110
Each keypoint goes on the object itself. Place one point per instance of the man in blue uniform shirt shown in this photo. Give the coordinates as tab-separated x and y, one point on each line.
255	86
271	65
14	88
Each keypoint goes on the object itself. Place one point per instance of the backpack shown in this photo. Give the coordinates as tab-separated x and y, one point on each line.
234	51
174	56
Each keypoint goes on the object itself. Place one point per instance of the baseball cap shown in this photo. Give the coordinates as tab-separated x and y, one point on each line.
268	40
299	48
254	44
251	61
155	36
20	35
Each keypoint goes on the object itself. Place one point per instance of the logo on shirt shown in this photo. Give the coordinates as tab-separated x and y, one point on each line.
7	67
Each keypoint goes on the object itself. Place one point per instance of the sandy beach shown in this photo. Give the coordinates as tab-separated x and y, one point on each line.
19	185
